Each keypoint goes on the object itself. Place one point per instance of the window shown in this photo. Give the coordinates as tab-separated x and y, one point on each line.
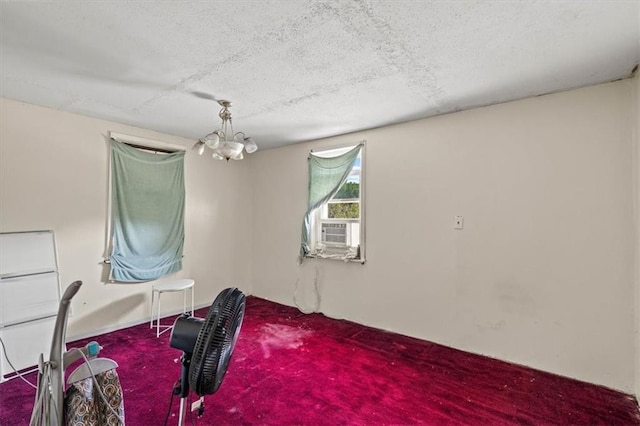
147	217
336	226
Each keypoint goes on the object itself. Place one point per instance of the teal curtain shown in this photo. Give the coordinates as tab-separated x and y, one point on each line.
326	176
147	213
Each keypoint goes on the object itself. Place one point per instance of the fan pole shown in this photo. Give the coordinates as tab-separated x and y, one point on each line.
184	386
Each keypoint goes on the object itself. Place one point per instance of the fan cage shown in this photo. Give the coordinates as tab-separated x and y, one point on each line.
216	341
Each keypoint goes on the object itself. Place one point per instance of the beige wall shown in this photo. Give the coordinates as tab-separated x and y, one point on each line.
53	175
541	275
635	117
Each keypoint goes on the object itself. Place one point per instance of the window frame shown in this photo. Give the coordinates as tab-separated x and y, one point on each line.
144	145
336	252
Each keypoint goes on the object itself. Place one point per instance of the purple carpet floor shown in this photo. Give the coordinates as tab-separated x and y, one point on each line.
294	369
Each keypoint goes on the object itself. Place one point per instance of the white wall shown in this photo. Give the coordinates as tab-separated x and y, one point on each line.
635	117
541	275
53	175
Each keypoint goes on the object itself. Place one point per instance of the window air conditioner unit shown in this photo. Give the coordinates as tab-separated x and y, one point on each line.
336	234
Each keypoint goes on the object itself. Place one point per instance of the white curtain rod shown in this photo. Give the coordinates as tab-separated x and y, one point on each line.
333	147
146	143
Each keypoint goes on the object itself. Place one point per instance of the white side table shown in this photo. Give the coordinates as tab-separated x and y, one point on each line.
169	286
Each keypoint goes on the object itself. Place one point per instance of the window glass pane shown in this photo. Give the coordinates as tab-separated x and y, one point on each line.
343	210
345	204
349	190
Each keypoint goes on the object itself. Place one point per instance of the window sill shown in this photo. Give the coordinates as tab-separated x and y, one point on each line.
336	256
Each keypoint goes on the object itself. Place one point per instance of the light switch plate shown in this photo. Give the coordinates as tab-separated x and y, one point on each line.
458	222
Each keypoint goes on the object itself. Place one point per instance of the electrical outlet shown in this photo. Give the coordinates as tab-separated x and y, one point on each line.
458	222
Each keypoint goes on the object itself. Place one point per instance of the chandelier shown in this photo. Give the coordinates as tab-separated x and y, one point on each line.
226	144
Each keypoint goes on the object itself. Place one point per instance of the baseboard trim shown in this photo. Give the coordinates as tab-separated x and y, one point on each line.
146	320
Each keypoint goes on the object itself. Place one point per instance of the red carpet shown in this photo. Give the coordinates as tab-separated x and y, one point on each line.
289	368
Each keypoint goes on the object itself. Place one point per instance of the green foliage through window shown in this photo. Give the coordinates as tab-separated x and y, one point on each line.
348	190
343	210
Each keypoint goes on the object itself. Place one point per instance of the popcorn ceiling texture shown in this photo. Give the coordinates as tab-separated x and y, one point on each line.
306	69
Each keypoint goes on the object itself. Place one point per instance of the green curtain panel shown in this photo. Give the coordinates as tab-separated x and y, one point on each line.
147	213
326	176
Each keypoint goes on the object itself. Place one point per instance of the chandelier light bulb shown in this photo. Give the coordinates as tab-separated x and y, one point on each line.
212	139
250	145
199	147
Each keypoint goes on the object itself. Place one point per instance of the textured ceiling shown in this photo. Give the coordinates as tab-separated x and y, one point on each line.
301	70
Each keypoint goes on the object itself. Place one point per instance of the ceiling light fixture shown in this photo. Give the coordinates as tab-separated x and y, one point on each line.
226	144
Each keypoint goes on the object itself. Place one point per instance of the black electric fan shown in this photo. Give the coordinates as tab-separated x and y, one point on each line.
207	345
